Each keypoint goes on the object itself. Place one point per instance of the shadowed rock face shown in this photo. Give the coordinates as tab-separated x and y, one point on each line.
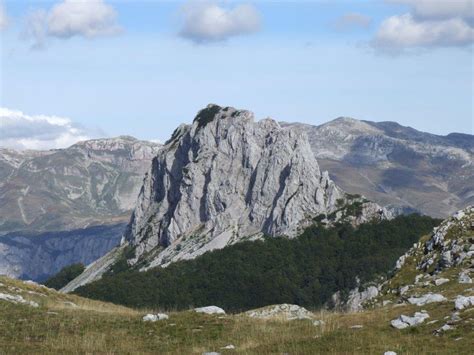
225	178
37	257
395	165
92	182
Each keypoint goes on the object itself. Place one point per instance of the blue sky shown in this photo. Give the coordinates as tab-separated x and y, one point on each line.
151	68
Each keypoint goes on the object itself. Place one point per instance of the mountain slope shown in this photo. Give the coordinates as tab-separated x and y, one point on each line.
91	182
396	165
306	270
224	179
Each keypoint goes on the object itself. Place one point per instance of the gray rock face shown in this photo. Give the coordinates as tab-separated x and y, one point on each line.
403	321
355	300
90	183
226	178
37	257
396	165
428	298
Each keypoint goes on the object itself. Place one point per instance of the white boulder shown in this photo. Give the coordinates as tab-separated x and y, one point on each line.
281	311
210	310
155	317
404	321
440	281
462	302
428	298
464	278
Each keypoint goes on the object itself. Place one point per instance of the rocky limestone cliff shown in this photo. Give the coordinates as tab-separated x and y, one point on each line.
396	165
39	256
91	182
226	178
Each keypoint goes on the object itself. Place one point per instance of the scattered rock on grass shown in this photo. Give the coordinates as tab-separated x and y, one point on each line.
229	347
17	299
443	329
425	299
464	278
210	310
403	321
462	302
439	282
155	317
281	311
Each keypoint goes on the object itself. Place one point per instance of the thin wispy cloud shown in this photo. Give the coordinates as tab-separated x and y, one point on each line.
4	21
210	22
352	20
22	131
71	18
429	24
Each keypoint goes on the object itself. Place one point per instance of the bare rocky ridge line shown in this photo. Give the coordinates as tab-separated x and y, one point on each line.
224	179
90	183
396	165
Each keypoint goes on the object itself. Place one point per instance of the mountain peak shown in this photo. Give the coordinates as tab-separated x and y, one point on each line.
226	178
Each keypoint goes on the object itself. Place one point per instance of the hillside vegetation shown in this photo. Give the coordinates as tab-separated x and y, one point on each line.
306	270
66	324
63	277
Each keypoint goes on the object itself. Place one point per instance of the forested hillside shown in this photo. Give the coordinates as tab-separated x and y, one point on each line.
306	270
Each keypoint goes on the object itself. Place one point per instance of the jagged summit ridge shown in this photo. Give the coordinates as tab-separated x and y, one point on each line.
225	178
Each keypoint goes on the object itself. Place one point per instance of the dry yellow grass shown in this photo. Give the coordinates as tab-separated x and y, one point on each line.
96	327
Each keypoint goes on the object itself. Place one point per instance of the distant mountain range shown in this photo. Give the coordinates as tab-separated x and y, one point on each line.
90	183
64	193
66	206
395	165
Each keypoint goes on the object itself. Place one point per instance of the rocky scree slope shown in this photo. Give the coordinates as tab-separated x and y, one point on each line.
90	183
432	285
396	165
224	179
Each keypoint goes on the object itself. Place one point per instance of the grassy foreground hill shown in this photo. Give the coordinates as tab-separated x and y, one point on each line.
433	279
71	324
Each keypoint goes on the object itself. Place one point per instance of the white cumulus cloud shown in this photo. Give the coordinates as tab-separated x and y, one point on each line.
84	18
21	131
405	31
440	9
3	17
209	22
429	24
